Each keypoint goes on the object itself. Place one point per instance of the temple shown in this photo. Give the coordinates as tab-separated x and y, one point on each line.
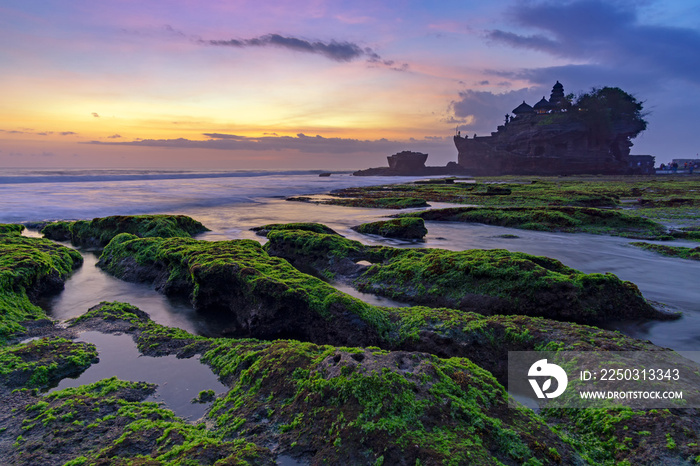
551	138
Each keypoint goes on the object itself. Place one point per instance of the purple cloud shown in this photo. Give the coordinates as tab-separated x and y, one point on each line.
301	142
338	51
607	34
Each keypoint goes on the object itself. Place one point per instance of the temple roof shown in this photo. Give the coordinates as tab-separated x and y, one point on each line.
557	94
523	109
543	105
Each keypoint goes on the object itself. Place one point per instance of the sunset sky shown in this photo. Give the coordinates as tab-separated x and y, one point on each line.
236	84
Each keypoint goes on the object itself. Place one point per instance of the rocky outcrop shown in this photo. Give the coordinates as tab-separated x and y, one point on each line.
100	231
258	295
29	268
568	219
556	138
409	163
403	228
484	281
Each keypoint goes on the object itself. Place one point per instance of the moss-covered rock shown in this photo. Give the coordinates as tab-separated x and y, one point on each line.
379	202
322	404
691	233
29	268
352	406
315	227
263	296
108	423
151	339
617	436
564	219
42	363
486	340
11	229
100	231
483	281
671	251
405	228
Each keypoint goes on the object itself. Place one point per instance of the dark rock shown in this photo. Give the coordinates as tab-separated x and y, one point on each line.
484	281
404	228
100	231
556	139
409	163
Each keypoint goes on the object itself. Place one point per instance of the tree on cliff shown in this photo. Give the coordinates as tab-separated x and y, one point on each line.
612	117
610	111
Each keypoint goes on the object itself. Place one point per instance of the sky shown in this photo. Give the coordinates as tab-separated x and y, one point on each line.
321	84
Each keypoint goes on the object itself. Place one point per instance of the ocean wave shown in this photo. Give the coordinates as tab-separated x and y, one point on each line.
78	176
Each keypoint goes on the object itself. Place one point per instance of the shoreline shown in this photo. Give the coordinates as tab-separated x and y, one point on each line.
275	420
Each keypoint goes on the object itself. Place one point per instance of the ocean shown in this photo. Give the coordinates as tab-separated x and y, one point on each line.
231	202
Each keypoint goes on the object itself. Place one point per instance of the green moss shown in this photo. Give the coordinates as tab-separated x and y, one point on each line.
690	233
379	202
11	229
486	281
149	335
671	251
44	362
566	219
29	267
397	406
666	198
100	231
121	428
346	405
235	276
315	227
406	227
621	435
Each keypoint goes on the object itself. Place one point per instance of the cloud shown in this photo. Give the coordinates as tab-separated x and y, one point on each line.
37	133
607	34
95	115
114	136
301	142
14	131
483	111
342	51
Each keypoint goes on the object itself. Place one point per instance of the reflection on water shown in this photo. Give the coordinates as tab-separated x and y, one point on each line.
368	297
672	281
179	380
89	285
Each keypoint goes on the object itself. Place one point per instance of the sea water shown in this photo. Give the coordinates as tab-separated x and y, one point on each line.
231	202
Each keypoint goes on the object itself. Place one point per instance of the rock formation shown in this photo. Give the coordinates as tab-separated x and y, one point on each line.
556	137
407	163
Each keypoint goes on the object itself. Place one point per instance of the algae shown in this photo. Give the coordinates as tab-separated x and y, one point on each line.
29	268
264	296
671	251
563	219
405	228
315	227
379	203
42	363
100	231
484	281
108	422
